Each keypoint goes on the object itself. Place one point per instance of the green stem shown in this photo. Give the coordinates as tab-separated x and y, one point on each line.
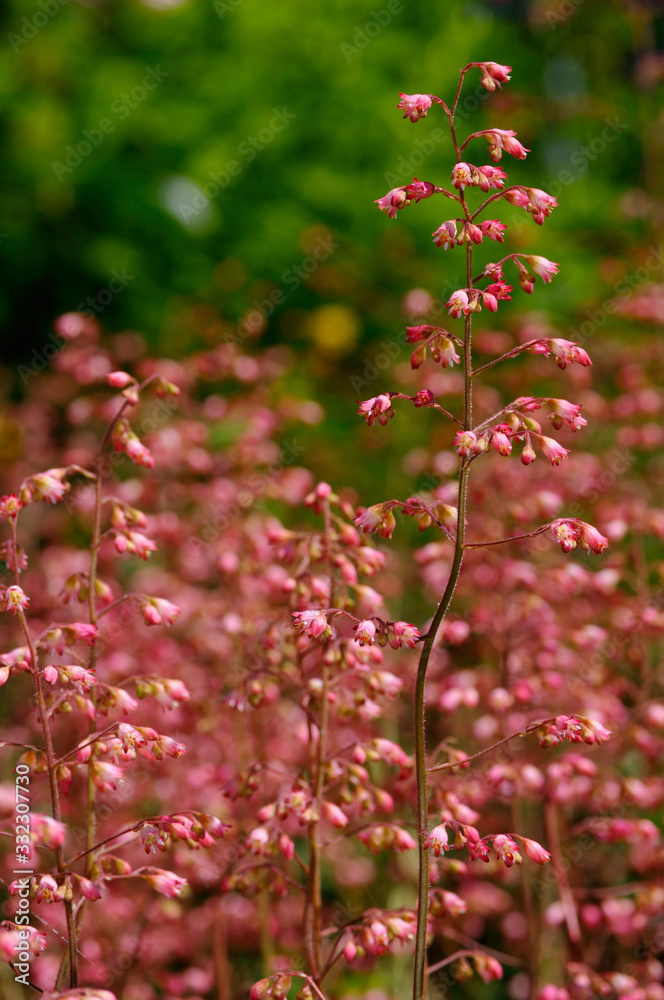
420	688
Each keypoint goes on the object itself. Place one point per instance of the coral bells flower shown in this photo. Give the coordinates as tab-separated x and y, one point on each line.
552	449
365	632
494	230
167	883
158	611
378	517
47	486
10	506
570	532
402	634
377	408
458	304
462	175
500	139
535	851
119	380
418	190
423	398
566	352
564	412
313	624
464	442
500	439
445	235
416	106
493	74
543	268
391	202
507	850
15	600
437	840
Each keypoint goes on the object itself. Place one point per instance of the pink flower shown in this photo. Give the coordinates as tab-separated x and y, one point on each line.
334	815
545	269
47	486
15	600
424	397
379	518
82	632
540	204
552	449
567	352
507	850
158	611
445	235
135	543
500	139
564	412
422	332
377	408
402	634
500	439
50	674
167	883
493	74
88	888
444	352
138	453
437	840
464	442
458	304
313	624
462	175
494	229
105	776
419	189
415	106
10	506
46	830
469	233
491	177
535	851
391	202
569	532
47	890
119	379
365	632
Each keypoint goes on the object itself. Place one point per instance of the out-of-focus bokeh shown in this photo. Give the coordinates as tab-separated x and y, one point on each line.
168	163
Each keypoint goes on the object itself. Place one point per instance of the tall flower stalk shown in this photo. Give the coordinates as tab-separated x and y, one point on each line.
512	424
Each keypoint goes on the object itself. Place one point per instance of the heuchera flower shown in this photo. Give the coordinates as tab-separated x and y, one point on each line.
391	202
500	139
10	506
507	850
167	883
458	304
535	851
402	634
313	624
445	235
47	486
552	449
377	408
15	599
569	532
378	517
543	268
564	412
365	632
493	74
416	106
437	840
158	611
494	229
566	352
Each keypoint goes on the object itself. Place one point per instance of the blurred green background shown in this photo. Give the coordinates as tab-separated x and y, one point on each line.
204	150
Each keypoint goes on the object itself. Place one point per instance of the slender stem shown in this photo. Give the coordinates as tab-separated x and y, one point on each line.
55	801
419	970
559	865
494	746
512	538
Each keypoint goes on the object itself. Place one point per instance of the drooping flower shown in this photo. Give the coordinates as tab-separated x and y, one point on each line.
507	850
458	303
167	883
445	235
313	624
377	408
365	632
552	449
500	139
543	268
401	633
570	532
535	851
391	202
437	840
493	229
493	74
566	352
564	412
415	106
462	175
10	506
